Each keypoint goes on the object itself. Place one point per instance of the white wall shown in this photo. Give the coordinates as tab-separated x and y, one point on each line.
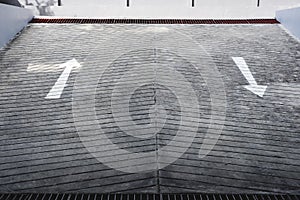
173	8
12	20
290	19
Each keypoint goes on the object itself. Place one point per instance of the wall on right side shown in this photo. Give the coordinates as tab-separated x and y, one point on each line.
290	19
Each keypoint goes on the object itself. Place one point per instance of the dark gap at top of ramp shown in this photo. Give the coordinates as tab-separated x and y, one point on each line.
153	21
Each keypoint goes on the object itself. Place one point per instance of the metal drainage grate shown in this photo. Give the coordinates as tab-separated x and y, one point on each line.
147	197
154	21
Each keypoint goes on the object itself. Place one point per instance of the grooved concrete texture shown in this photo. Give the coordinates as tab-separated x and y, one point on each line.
145	101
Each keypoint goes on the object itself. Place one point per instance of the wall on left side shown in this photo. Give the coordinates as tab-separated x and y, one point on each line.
12	20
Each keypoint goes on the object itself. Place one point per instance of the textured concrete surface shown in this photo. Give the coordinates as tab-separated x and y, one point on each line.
72	144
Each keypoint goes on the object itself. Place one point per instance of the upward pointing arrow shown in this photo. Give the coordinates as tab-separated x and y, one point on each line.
60	84
253	87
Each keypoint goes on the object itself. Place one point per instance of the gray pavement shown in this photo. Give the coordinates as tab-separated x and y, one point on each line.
149	108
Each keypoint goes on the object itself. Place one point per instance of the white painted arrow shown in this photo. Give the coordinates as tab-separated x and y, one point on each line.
60	84
253	87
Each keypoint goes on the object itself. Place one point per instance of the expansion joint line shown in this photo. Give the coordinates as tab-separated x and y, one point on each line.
155	123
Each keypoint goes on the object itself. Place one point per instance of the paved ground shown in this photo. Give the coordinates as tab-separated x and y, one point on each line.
150	108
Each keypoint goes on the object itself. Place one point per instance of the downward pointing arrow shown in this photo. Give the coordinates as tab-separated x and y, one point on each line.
253	87
257	89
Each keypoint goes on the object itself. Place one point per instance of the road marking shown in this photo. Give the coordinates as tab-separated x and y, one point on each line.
284	93
60	84
253	87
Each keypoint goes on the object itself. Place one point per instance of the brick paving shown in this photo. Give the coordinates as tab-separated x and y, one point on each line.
55	145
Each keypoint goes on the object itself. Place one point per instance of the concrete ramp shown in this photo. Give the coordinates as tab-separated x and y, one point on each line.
150	108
